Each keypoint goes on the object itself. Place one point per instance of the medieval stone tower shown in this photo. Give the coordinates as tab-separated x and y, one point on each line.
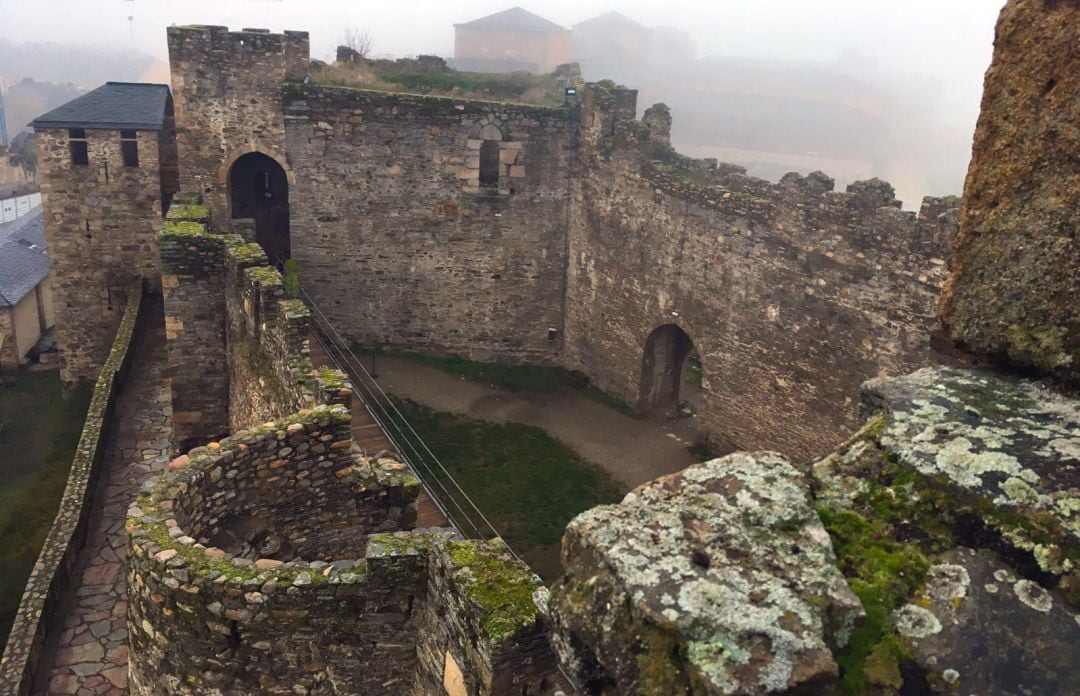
108	171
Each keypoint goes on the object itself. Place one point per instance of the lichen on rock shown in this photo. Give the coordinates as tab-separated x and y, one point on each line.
1005	448
719	579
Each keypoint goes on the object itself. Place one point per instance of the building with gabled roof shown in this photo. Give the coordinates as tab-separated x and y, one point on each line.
509	41
25	291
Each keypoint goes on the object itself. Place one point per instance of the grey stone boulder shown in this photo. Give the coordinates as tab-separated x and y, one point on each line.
719	579
1009	449
979	628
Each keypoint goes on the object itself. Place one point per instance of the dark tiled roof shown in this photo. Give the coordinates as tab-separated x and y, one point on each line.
23	262
514	19
133	105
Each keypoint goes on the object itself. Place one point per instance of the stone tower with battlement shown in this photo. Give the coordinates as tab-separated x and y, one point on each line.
107	166
227	86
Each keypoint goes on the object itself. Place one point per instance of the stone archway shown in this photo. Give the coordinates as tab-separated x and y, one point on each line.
663	368
259	191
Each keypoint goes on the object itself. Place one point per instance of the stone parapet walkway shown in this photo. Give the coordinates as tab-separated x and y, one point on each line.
92	652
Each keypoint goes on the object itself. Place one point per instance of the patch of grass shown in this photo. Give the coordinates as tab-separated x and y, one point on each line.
883	573
39	431
692	373
526	482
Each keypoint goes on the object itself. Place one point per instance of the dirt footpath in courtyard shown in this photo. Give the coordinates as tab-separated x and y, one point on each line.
632	450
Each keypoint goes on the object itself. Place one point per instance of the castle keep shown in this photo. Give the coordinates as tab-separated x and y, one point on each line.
893	525
568	235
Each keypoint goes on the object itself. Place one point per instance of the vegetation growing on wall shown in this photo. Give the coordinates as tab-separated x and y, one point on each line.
431	75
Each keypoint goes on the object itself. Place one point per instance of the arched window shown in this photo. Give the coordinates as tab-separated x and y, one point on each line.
489	164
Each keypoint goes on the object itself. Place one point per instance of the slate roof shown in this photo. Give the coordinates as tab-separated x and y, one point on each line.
129	105
23	261
514	19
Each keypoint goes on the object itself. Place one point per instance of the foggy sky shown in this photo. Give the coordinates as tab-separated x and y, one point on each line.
942	40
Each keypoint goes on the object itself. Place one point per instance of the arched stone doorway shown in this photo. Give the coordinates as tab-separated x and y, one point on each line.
664	369
259	190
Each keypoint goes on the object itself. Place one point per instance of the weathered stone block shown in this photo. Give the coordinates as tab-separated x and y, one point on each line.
1016	271
717	580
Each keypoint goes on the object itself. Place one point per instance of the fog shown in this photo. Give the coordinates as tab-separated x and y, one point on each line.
922	60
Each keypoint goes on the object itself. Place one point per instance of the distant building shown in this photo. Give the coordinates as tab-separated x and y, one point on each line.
611	46
26	308
510	41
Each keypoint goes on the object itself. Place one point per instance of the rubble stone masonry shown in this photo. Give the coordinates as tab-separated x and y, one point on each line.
400	245
101	221
227	92
793	294
591	234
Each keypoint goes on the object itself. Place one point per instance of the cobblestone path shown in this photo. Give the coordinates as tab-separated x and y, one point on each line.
91	657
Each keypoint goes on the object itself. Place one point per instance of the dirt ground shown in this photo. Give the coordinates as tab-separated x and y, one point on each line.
632	450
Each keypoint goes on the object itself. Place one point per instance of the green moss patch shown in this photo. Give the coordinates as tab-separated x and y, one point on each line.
183	227
501	587
188	211
883	573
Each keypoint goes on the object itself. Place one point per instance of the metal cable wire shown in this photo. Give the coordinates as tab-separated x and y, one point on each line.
338	358
343	349
397	423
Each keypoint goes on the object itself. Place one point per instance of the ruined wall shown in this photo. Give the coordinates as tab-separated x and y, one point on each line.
252	568
300	489
100	225
204	617
1026	142
238	352
193	285
792	294
481	631
227	92
399	244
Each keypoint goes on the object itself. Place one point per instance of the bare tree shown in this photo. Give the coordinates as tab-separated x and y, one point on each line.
359	44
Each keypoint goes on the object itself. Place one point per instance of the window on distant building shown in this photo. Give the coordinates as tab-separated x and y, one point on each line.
77	145
489	164
129	147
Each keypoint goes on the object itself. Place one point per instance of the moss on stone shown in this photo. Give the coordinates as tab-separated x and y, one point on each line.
501	587
183	227
188	211
883	573
246	252
263	275
1042	347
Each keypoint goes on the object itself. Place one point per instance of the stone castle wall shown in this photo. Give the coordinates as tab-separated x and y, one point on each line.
793	294
596	234
100	225
235	584
227	92
44	600
399	244
238	351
